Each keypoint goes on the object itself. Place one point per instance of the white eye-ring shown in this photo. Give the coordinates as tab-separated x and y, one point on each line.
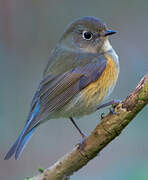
87	35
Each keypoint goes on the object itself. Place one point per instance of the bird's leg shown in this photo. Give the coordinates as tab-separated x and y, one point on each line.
82	134
73	122
113	102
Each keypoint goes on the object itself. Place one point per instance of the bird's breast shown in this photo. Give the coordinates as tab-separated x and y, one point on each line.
98	90
91	96
95	92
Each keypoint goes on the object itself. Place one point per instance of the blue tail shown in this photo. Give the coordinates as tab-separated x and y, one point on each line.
23	138
22	144
19	145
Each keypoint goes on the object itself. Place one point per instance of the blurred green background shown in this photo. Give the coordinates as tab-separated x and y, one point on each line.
29	29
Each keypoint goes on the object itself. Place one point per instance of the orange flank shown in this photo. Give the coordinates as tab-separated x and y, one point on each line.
98	90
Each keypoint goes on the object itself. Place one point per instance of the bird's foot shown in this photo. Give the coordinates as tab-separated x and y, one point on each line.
82	144
114	104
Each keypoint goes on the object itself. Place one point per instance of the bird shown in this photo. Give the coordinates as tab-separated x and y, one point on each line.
81	73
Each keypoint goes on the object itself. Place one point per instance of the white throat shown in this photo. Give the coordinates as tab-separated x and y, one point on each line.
107	46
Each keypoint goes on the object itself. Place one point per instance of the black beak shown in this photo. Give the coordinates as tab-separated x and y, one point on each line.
109	32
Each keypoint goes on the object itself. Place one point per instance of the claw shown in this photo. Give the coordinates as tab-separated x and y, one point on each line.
81	145
116	102
112	110
102	115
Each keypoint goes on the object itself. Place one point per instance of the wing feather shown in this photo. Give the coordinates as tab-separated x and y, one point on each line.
56	90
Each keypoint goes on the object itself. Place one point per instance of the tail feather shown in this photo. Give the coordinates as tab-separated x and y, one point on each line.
12	149
22	144
19	145
24	137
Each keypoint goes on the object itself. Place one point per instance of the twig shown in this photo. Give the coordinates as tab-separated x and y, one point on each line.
109	128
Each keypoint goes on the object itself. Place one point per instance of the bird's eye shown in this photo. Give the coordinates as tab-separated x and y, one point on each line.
87	35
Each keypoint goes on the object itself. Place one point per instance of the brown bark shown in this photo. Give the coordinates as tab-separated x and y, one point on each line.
110	127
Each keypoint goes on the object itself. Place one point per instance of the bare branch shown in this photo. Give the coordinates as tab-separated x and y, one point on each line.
109	128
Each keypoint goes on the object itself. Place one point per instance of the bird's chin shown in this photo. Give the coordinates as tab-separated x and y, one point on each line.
106	46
